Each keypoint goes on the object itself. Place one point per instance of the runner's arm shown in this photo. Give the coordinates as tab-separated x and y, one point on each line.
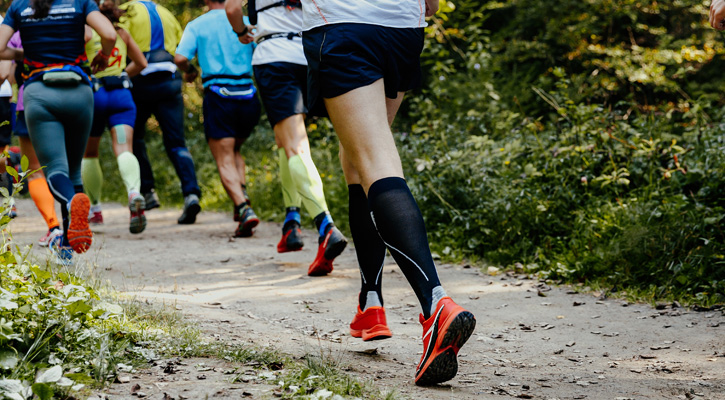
431	7
235	15
6	67
107	32
717	14
138	60
8	53
190	72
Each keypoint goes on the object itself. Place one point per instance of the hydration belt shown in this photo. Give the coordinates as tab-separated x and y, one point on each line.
234	92
206	79
288	35
112	82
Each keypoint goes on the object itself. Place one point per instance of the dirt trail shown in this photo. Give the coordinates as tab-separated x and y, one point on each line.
562	346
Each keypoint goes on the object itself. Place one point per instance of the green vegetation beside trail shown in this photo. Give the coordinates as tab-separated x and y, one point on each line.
582	140
63	336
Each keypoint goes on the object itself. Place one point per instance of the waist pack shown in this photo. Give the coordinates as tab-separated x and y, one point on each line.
112	82
62	78
234	92
159	55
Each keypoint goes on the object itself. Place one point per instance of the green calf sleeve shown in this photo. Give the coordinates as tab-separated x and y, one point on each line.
92	175
289	189
130	171
308	182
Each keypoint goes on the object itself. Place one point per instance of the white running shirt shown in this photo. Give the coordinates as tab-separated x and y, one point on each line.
389	13
278	20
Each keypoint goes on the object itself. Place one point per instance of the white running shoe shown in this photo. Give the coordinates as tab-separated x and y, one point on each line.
49	236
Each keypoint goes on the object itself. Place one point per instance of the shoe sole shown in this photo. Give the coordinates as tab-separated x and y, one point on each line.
444	366
246	229
138	219
377	332
335	249
80	236
190	214
320	267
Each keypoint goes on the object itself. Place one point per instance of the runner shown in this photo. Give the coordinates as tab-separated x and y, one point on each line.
56	98
362	57
157	91
114	108
280	70
37	185
231	107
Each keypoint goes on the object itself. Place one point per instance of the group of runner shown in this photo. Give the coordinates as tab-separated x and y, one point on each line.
351	61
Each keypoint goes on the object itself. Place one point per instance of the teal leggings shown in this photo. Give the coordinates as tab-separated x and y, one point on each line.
59	122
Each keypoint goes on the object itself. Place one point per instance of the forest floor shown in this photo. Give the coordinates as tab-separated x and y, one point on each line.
532	340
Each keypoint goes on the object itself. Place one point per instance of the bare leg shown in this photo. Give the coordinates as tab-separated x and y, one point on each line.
223	152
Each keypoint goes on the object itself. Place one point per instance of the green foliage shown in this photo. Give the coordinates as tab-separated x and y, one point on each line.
619	185
56	332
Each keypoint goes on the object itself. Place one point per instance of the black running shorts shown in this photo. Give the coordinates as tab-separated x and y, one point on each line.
344	57
282	87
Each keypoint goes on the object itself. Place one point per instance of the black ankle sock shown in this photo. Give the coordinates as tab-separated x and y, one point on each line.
369	248
398	220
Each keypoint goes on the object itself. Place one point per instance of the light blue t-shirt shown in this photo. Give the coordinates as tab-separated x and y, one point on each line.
211	38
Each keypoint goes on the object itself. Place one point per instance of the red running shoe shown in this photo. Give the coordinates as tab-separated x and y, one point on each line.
370	324
80	236
291	238
95	218
331	245
443	335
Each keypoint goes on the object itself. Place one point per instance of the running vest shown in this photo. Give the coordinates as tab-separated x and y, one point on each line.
253	10
117	62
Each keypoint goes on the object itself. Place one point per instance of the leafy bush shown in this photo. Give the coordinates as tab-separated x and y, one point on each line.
578	185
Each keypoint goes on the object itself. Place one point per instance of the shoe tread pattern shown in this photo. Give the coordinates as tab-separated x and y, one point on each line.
445	365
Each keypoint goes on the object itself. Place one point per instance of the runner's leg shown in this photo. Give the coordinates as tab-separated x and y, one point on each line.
369	247
38	186
361	120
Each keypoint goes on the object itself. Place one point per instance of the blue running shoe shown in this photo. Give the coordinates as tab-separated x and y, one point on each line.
62	255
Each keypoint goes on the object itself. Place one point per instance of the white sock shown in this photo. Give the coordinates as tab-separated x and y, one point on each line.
372	300
437	295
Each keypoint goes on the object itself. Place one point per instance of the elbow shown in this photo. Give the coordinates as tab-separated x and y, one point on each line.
110	36
180	61
143	63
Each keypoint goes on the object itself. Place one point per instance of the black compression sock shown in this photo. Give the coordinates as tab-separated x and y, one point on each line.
369	248
400	224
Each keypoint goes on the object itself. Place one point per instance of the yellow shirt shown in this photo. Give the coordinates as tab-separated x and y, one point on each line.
151	26
117	62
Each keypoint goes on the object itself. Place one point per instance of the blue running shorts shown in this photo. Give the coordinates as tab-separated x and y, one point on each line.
111	108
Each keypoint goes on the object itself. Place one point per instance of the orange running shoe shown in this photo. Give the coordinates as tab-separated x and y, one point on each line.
331	245
291	238
370	324
80	236
443	335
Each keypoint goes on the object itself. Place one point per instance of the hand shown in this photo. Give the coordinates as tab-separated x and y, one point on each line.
249	37
431	7
100	62
191	75
717	14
